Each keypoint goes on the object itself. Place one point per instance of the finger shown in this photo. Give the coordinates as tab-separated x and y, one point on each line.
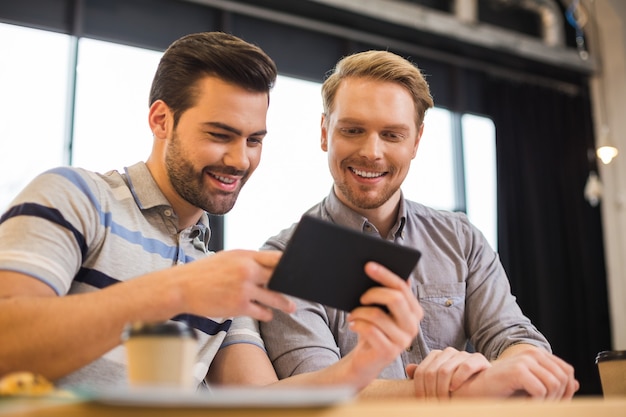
378	319
447	364
273	299
439	372
377	347
572	384
403	308
420	372
259	312
419	385
471	365
374	336
528	382
572	387
388	279
383	276
426	374
268	258
399	331
556	375
538	379
410	370
400	302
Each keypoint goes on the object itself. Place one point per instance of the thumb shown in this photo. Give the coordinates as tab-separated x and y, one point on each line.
268	258
410	369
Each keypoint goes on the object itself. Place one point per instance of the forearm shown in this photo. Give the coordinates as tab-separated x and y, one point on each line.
246	364
346	371
54	336
361	378
378	388
516	349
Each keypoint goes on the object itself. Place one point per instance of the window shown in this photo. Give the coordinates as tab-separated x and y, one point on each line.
111	128
430	180
34	92
293	174
479	151
111	131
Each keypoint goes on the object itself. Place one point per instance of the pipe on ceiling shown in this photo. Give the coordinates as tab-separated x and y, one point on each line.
552	32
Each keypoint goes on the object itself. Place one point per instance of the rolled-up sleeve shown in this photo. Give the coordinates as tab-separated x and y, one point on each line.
494	319
300	342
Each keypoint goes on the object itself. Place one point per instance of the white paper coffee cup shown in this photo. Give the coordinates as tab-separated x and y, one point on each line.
160	354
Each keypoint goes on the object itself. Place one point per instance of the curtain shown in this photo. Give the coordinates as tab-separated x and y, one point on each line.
549	237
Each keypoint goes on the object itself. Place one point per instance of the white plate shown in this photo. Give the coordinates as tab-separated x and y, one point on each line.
231	397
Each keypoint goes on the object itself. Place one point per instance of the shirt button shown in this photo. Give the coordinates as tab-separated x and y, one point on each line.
409	348
449	302
167	212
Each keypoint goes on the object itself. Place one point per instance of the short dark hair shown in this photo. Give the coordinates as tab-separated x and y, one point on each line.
218	54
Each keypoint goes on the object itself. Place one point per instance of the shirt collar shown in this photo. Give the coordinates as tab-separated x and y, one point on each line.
147	193
144	189
345	216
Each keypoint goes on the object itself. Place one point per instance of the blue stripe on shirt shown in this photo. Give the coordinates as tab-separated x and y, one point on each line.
50	214
94	278
204	324
150	245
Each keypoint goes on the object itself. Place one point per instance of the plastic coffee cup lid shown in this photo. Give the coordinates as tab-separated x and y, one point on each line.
169	328
611	355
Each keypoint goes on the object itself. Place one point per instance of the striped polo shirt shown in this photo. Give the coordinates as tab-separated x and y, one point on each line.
79	231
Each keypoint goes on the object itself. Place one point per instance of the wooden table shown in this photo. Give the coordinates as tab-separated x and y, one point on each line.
578	407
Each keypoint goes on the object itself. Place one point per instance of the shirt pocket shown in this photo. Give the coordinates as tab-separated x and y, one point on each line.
443	324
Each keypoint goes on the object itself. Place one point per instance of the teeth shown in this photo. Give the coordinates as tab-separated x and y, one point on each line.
366	174
224	179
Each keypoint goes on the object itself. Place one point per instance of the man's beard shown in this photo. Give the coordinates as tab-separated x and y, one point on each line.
361	200
190	184
359	196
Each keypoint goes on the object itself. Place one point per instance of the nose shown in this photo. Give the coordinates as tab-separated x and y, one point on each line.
371	146
236	155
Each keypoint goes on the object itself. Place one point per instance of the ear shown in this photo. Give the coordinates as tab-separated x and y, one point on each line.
160	119
324	129
417	140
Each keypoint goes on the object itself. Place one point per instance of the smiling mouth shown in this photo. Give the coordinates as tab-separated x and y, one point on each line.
367	174
222	179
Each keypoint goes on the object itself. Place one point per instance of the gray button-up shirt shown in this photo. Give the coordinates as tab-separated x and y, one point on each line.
459	282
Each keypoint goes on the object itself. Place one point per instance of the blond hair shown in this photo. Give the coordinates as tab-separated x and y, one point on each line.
381	66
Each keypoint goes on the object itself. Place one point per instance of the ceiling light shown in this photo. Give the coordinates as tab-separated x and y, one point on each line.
604	148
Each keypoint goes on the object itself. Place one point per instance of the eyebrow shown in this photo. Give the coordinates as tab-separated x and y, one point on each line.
350	120
233	129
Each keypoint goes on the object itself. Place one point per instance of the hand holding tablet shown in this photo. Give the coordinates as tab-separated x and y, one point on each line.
324	262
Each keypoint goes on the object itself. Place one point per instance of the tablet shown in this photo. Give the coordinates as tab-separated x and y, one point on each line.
324	263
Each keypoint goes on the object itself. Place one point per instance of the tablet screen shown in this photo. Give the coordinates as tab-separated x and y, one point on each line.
324	263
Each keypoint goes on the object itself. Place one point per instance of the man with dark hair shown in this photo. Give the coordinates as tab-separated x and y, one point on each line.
83	254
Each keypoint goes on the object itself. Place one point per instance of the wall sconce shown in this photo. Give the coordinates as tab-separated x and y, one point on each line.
593	189
604	147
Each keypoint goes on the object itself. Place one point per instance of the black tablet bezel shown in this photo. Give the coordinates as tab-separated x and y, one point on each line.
324	263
